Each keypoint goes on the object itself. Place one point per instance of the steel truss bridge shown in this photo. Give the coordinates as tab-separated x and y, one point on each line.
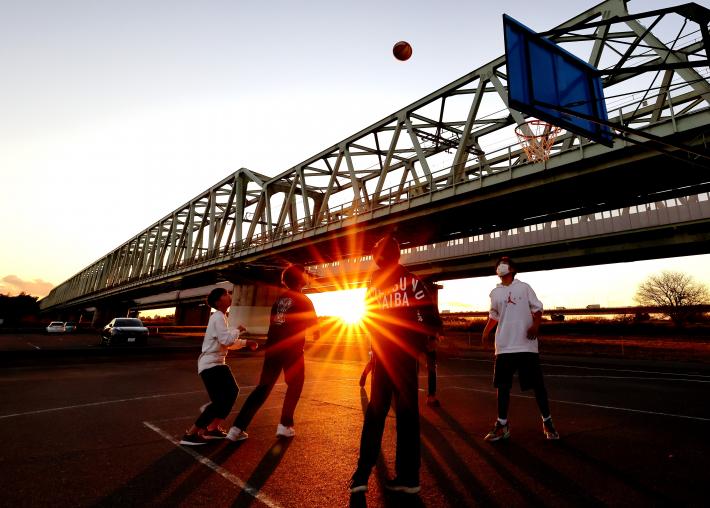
677	226
445	167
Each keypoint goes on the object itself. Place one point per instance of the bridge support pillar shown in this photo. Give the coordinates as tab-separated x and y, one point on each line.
251	306
194	314
434	288
102	315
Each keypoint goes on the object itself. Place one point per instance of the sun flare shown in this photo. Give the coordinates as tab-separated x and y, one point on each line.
346	305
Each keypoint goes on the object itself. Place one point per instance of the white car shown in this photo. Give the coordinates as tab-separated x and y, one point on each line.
56	327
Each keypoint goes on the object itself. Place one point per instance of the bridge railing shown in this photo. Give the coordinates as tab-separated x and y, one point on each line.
671	211
465	127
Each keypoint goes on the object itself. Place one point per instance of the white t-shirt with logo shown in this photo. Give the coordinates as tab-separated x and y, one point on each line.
513	306
218	337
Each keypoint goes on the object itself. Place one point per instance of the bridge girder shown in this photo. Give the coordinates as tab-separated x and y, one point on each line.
384	177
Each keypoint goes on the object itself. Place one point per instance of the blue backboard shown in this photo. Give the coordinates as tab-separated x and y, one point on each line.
543	77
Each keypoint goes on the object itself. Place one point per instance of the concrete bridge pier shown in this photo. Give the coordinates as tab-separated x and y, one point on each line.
194	314
80	316
251	306
102	315
434	287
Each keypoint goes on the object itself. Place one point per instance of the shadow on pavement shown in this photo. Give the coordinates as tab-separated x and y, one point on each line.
262	472
176	473
437	445
391	499
619	475
572	490
200	473
487	454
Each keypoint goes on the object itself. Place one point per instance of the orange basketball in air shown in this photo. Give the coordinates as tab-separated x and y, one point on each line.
402	50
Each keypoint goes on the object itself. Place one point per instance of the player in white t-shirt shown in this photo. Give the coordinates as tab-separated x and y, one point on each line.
215	373
517	312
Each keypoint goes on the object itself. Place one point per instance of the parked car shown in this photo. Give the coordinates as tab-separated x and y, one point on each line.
70	326
124	330
56	327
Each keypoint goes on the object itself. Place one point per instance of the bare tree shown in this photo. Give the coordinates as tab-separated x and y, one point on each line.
677	293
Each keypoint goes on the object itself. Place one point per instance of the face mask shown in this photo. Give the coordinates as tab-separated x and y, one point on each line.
502	270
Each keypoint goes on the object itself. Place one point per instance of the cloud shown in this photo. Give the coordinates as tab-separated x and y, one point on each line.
13	285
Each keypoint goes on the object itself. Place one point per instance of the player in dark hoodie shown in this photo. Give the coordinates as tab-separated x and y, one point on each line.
291	316
400	316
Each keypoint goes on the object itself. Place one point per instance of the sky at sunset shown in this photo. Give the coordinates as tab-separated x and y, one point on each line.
113	114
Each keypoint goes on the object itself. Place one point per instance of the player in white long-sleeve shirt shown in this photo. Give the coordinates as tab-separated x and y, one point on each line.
214	371
517	312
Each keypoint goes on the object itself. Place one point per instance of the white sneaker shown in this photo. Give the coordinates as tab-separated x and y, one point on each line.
283	431
236	434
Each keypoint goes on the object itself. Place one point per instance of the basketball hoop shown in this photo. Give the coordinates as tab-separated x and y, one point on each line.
537	139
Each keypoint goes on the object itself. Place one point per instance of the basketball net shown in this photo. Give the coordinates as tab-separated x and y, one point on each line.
537	139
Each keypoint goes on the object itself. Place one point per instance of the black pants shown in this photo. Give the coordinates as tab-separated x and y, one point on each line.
222	390
293	367
529	375
399	381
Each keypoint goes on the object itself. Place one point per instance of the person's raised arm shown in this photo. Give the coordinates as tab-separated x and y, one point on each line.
229	336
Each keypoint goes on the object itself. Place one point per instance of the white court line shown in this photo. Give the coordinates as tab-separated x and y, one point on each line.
148	397
226	474
102	403
600	406
232	412
638	378
642	378
36	347
584	367
635	371
116	401
442	376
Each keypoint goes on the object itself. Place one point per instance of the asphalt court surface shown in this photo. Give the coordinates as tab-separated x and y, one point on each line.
104	433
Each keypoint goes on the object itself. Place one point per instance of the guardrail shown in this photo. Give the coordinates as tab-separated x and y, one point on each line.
586	311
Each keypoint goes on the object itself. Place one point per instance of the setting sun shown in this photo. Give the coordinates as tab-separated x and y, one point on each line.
347	305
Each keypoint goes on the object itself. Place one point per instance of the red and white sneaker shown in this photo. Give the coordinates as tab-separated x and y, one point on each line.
498	432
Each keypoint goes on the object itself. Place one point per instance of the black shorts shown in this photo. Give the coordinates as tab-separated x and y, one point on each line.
526	364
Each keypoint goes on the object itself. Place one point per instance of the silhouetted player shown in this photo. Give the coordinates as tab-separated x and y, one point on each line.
401	315
291	316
